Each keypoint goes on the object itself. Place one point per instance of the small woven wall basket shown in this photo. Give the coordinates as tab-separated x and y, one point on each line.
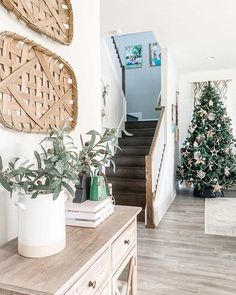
38	89
53	18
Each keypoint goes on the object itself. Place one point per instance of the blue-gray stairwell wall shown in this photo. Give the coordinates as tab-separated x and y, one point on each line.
142	84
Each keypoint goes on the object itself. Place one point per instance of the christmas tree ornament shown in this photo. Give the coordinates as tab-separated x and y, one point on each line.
211	103
181	172
190	162
210	133
227	171
192	128
233	149
200	137
185	152
226	151
200	161
188	184
196	155
211	117
210	163
214	152
202	113
217	188
201	174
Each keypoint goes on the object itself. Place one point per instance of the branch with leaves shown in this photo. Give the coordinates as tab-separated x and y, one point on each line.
58	163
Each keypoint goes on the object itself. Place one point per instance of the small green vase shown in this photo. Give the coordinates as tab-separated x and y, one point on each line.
98	189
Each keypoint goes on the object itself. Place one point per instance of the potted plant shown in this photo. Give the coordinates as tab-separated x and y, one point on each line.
44	185
42	188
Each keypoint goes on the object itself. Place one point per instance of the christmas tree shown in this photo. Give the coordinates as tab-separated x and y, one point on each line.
208	160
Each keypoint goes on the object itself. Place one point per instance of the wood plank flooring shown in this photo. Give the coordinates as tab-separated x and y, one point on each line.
178	258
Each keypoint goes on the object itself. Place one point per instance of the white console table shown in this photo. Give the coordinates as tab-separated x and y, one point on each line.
100	261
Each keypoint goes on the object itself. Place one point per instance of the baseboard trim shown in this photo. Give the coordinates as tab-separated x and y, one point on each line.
165	209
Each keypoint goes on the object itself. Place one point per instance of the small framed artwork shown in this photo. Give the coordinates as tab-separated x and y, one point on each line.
133	56
155	55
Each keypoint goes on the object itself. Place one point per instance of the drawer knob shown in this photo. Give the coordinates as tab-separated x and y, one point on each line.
126	242
92	284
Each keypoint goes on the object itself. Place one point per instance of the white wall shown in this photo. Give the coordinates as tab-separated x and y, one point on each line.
111	74
84	56
186	96
142	85
167	188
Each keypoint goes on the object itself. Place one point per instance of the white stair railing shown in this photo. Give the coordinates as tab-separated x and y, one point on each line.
153	164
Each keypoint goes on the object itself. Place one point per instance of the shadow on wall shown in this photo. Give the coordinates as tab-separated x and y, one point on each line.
8	218
140	53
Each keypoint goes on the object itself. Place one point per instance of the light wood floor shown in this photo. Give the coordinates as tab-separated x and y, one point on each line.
177	258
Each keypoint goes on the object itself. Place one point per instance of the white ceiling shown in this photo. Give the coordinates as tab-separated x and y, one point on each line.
192	29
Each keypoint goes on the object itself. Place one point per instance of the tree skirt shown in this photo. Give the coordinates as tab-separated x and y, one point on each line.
207	193
220	216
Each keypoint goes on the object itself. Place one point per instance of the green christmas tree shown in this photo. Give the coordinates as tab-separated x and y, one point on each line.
208	160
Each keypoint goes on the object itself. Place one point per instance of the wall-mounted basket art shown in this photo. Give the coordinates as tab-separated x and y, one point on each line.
38	89
53	18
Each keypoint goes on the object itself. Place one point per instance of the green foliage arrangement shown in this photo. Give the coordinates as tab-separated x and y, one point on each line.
208	158
58	163
98	151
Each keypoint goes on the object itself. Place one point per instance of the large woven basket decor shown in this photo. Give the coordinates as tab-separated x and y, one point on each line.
54	18
38	90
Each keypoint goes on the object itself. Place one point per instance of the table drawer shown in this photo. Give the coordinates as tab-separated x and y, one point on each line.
94	277
106	291
123	244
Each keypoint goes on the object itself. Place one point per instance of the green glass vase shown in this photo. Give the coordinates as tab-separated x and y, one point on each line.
98	189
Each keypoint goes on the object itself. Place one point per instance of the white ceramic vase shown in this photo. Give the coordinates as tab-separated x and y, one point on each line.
41	225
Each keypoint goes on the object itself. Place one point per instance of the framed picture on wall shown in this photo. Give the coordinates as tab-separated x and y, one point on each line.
155	55
133	56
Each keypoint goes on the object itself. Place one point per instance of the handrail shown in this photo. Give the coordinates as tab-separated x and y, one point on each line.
149	177
120	62
117	51
162	109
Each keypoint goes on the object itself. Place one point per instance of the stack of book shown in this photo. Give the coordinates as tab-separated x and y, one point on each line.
88	213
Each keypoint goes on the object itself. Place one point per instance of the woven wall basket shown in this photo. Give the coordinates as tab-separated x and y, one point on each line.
54	18
38	90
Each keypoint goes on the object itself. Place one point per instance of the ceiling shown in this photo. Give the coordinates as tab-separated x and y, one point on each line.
193	30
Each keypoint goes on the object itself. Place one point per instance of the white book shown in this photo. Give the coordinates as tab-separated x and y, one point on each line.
88	215
87	206
88	223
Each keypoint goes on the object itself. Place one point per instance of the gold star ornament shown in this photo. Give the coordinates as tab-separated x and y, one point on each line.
217	188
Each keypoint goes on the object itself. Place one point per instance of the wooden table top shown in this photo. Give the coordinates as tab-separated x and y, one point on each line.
53	275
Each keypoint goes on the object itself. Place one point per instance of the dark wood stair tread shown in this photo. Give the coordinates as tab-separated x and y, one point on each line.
132	199
133	141
141	124
129	180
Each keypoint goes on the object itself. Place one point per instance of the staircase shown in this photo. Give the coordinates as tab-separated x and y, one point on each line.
129	180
